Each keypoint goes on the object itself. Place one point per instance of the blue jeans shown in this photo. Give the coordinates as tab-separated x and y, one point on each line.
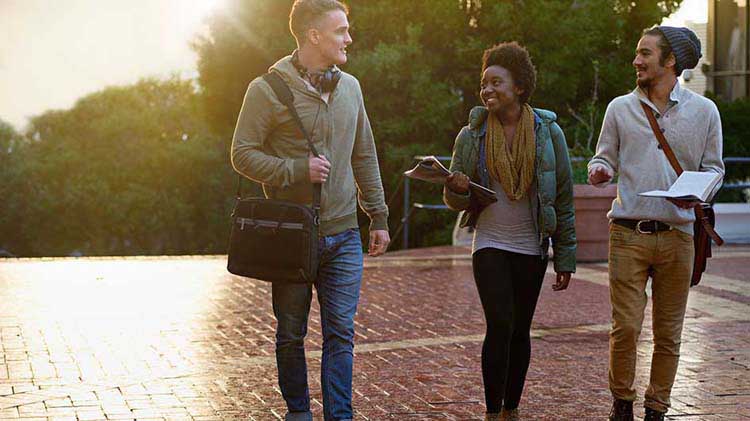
338	283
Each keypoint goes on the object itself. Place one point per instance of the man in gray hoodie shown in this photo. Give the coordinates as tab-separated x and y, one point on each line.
652	236
269	147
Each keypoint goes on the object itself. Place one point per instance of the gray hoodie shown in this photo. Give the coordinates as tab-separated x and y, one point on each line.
268	147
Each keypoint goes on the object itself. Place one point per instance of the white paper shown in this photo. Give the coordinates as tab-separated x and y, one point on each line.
690	185
430	169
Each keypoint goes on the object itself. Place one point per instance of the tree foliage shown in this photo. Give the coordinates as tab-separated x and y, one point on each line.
144	169
246	38
735	118
8	136
419	63
127	170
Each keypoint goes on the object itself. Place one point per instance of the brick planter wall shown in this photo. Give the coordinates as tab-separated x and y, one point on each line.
592	227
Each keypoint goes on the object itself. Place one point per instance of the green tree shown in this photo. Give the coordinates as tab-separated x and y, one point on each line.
246	38
419	63
7	134
735	118
8	143
127	170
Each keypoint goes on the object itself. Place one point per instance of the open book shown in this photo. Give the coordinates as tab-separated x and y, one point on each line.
431	170
690	185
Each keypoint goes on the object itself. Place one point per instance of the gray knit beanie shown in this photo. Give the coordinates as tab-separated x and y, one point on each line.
686	46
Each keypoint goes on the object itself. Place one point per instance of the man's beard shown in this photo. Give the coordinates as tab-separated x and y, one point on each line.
643	83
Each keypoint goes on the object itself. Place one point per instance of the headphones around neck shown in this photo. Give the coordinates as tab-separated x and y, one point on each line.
329	78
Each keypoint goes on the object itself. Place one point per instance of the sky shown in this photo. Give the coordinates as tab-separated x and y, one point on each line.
53	52
690	10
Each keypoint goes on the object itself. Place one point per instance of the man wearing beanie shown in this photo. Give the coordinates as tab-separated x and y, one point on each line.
652	237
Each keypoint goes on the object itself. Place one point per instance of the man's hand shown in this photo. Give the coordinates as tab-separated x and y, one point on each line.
319	169
599	175
458	182
379	240
562	281
684	204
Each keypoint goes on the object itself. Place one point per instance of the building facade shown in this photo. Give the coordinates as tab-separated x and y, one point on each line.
727	60
695	79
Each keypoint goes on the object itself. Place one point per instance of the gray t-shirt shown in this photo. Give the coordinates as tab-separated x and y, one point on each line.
508	225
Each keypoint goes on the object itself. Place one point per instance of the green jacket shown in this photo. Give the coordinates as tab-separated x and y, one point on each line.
555	212
268	147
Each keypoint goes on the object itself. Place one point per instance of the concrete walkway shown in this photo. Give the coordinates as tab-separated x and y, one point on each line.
178	338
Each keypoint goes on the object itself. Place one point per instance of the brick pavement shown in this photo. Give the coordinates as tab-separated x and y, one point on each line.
177	338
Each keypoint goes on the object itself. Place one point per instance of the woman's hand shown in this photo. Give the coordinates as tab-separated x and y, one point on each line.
562	281
458	182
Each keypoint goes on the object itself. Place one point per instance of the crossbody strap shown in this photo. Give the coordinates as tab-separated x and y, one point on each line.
678	169
286	97
662	140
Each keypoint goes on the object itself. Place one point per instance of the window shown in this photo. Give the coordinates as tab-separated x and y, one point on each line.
731	75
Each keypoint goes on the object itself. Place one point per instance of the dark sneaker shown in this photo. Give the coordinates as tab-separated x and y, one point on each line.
653	415
621	410
298	416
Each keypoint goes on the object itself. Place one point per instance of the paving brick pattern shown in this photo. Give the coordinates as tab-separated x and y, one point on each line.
177	338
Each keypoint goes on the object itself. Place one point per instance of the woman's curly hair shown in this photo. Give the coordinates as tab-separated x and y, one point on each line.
515	58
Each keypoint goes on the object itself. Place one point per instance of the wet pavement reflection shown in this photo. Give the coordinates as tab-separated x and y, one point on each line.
180	338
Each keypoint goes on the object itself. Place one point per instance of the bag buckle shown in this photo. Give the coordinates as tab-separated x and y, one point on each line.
246	221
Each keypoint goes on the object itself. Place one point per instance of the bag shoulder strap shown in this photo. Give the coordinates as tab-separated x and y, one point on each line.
286	97
699	214
662	140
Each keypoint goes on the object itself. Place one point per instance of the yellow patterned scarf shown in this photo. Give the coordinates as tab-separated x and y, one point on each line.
512	167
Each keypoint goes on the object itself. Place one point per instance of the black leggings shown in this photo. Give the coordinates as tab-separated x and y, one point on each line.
509	285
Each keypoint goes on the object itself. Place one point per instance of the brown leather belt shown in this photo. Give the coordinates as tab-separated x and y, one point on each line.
643	226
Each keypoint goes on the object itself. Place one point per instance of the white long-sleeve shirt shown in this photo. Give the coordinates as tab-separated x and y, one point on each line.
628	146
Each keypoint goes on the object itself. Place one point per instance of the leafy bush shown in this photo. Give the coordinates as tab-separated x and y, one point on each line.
127	170
735	120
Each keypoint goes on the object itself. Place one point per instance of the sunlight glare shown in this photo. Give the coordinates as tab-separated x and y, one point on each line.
695	11
197	10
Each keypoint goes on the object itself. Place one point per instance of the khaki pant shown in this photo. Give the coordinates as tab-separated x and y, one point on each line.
668	257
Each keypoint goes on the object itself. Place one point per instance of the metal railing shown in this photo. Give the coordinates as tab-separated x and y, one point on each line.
736	160
409	208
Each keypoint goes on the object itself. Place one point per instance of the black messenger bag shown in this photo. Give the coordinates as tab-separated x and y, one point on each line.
276	240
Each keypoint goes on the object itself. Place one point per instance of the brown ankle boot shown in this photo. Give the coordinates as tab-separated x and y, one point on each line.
510	415
622	410
492	416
